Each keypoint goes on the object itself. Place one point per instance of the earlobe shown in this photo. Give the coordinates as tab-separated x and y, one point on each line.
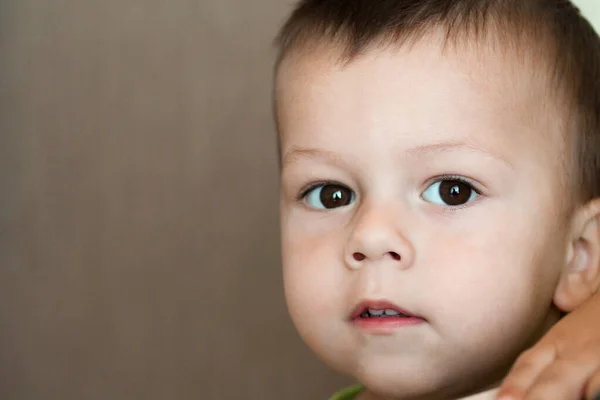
580	278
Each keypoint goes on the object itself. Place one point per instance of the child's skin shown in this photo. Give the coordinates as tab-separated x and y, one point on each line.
484	275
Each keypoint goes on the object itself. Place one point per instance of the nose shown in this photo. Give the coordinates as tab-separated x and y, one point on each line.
376	237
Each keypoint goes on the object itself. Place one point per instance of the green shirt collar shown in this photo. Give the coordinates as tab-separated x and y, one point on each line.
349	393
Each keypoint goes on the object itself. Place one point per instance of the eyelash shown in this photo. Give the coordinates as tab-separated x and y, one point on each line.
312	186
457	178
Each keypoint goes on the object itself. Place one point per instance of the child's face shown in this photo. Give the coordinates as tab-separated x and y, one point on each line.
432	182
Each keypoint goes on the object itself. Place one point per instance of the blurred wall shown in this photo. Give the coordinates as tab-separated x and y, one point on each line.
139	253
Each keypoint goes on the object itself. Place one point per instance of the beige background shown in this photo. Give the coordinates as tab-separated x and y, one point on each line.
138	216
138	213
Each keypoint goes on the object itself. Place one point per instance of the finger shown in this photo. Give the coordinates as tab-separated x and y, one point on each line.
593	387
525	371
566	378
563	379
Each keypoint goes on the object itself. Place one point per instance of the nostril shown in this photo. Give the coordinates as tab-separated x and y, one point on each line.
359	256
395	255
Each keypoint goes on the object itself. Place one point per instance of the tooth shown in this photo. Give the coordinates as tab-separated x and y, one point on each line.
391	312
376	312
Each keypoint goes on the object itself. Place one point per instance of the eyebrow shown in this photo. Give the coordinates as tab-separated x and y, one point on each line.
419	151
296	153
442	147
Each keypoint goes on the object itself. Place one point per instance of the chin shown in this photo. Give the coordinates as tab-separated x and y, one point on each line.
414	381
408	379
395	379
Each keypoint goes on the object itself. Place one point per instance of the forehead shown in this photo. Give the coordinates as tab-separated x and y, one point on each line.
417	93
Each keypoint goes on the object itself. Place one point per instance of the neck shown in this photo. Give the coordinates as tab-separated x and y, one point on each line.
488	394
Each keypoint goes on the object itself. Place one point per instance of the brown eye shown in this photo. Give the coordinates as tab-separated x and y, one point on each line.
329	196
450	192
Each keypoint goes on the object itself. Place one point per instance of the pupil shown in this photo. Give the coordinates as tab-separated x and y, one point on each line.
455	193
333	196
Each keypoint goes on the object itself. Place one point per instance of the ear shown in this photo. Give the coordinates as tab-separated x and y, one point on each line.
580	278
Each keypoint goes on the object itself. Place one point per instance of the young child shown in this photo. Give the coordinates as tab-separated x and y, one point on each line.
440	199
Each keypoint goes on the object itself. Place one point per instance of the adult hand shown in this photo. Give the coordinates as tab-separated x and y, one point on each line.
564	364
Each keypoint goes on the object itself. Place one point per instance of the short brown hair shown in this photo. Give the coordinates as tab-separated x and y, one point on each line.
569	43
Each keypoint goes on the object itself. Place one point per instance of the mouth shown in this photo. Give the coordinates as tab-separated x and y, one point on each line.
382	316
380	309
385	313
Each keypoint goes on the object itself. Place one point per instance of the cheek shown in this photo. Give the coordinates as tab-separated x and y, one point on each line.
497	280
312	275
315	284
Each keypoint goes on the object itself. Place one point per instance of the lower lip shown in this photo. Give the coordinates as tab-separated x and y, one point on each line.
385	326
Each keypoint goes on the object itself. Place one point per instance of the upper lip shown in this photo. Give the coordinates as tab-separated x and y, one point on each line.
378	305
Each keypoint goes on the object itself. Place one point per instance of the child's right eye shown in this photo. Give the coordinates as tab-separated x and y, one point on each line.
328	196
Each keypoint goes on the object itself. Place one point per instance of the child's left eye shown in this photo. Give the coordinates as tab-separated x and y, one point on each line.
453	192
